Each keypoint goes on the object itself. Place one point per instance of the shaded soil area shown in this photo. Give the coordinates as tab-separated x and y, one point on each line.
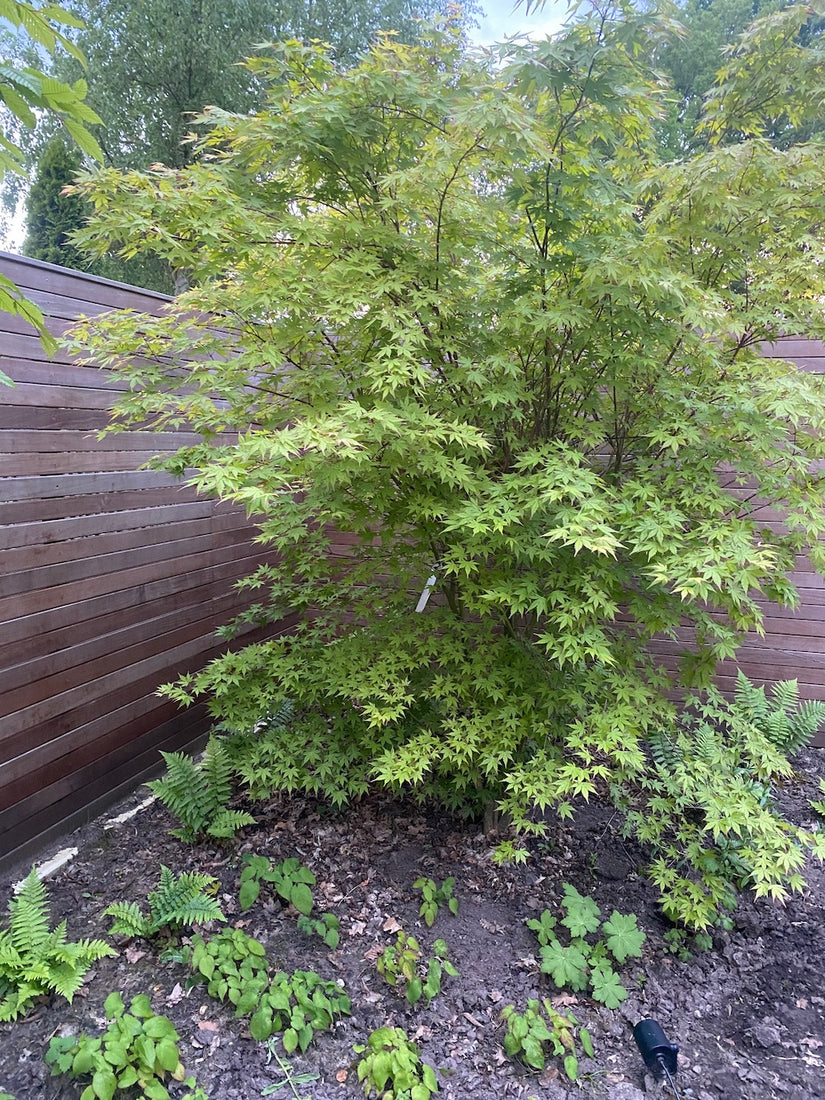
749	1015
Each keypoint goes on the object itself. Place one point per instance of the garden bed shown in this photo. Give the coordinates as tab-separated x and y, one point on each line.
749	1015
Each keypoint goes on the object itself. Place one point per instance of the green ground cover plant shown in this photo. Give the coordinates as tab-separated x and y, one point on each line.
290	879
529	1033
178	902
818	805
582	964
433	897
473	320
390	1066
235	968
139	1051
327	926
37	960
404	966
198	794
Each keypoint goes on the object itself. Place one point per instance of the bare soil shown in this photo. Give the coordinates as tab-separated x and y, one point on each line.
749	1015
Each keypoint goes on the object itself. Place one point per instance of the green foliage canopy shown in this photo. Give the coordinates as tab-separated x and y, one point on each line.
469	319
26	91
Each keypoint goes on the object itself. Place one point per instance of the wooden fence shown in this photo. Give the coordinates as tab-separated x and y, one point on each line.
113	578
793	647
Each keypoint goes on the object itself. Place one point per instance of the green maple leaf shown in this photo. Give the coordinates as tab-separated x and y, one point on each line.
567	966
623	936
606	987
582	913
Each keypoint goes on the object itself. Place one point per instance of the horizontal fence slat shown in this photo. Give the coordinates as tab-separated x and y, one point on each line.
113	577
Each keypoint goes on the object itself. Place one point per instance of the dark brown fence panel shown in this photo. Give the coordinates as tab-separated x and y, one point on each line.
113	577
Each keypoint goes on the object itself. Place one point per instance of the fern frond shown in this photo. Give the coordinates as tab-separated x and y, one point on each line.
281	716
216	776
227	823
181	901
128	919
181	790
29	915
65	980
664	751
804	725
35	960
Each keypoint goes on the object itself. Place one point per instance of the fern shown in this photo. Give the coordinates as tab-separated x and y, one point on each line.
34	960
198	795
788	724
176	903
706	809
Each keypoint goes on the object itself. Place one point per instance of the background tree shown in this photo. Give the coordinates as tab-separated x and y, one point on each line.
470	319
53	215
25	91
153	65
691	60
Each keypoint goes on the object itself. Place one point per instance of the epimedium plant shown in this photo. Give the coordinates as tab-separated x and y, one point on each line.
390	1066
529	1034
434	897
290	879
403	965
459	311
139	1051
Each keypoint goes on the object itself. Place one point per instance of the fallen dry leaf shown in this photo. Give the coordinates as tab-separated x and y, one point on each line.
372	954
488	926
356	928
391	925
134	954
207	1025
564	1000
341	1076
175	995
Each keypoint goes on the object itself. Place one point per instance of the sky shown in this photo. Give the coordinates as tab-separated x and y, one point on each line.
505	18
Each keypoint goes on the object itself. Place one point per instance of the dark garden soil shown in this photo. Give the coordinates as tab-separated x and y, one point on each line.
749	1015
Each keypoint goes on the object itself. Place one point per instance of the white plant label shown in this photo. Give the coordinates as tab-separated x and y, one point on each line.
425	595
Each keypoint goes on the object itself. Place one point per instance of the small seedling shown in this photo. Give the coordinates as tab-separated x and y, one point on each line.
581	964
683	945
36	960
327	927
391	1067
433	897
290	878
402	964
290	1079
177	903
139	1051
530	1031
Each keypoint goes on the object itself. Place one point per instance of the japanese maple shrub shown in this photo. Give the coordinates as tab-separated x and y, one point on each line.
458	310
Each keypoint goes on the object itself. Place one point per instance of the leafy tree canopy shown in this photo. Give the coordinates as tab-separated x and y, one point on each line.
25	92
153	65
712	31
468	319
